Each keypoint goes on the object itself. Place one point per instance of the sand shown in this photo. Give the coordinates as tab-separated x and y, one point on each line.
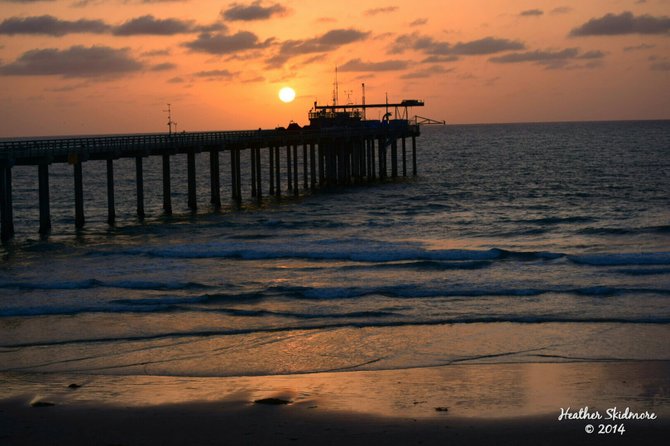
464	404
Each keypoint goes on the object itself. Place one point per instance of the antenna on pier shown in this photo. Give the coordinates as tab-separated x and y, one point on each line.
170	122
387	104
336	89
363	86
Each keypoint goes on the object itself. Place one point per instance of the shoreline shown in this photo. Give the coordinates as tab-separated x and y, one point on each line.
464	404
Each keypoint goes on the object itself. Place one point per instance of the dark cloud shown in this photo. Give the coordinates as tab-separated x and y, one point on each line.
487	45
642	46
561	10
427	72
176	80
144	25
322	44
551	59
421	43
338	37
418	22
50	25
440	59
531	13
149	25
253	80
660	66
624	23
215	74
359	65
163	66
76	61
219	43
154	53
430	46
68	88
384	10
252	11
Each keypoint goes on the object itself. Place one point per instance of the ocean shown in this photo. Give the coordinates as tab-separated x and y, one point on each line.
515	243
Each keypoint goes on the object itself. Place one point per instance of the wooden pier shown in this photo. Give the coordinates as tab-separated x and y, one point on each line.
333	156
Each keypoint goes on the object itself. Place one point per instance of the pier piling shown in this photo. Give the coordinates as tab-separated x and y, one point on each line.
167	192
6	207
190	173
259	176
139	178
111	211
413	155
45	212
271	170
79	219
215	179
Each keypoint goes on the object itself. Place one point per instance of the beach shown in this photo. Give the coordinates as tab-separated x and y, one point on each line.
469	404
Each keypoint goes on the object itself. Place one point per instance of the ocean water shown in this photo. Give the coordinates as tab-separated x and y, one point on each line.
515	243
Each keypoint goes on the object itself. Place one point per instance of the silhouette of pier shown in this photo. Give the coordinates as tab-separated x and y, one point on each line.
331	156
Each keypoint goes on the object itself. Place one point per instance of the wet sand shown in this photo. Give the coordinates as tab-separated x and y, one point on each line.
465	404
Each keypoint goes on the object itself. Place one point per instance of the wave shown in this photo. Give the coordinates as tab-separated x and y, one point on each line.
94	283
211	303
643	271
430	265
380	252
347	250
650	258
557	220
661	229
513	319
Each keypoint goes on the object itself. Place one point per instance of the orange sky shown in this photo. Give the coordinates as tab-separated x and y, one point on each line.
110	66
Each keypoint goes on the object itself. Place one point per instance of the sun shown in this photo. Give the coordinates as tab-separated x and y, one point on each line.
287	94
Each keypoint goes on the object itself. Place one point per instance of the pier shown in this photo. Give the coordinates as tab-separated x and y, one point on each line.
330	152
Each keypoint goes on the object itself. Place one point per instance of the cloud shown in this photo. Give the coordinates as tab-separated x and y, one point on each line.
76	61
550	59
219	43
642	46
359	65
252	11
216	74
149	25
419	22
440	59
531	13
427	72
154	53
487	45
329	41
660	66
176	80
163	66
430	46
384	10
624	23
561	10
50	25
144	25
24	1
68	88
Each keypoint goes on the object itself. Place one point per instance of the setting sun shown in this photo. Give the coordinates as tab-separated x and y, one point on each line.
287	94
